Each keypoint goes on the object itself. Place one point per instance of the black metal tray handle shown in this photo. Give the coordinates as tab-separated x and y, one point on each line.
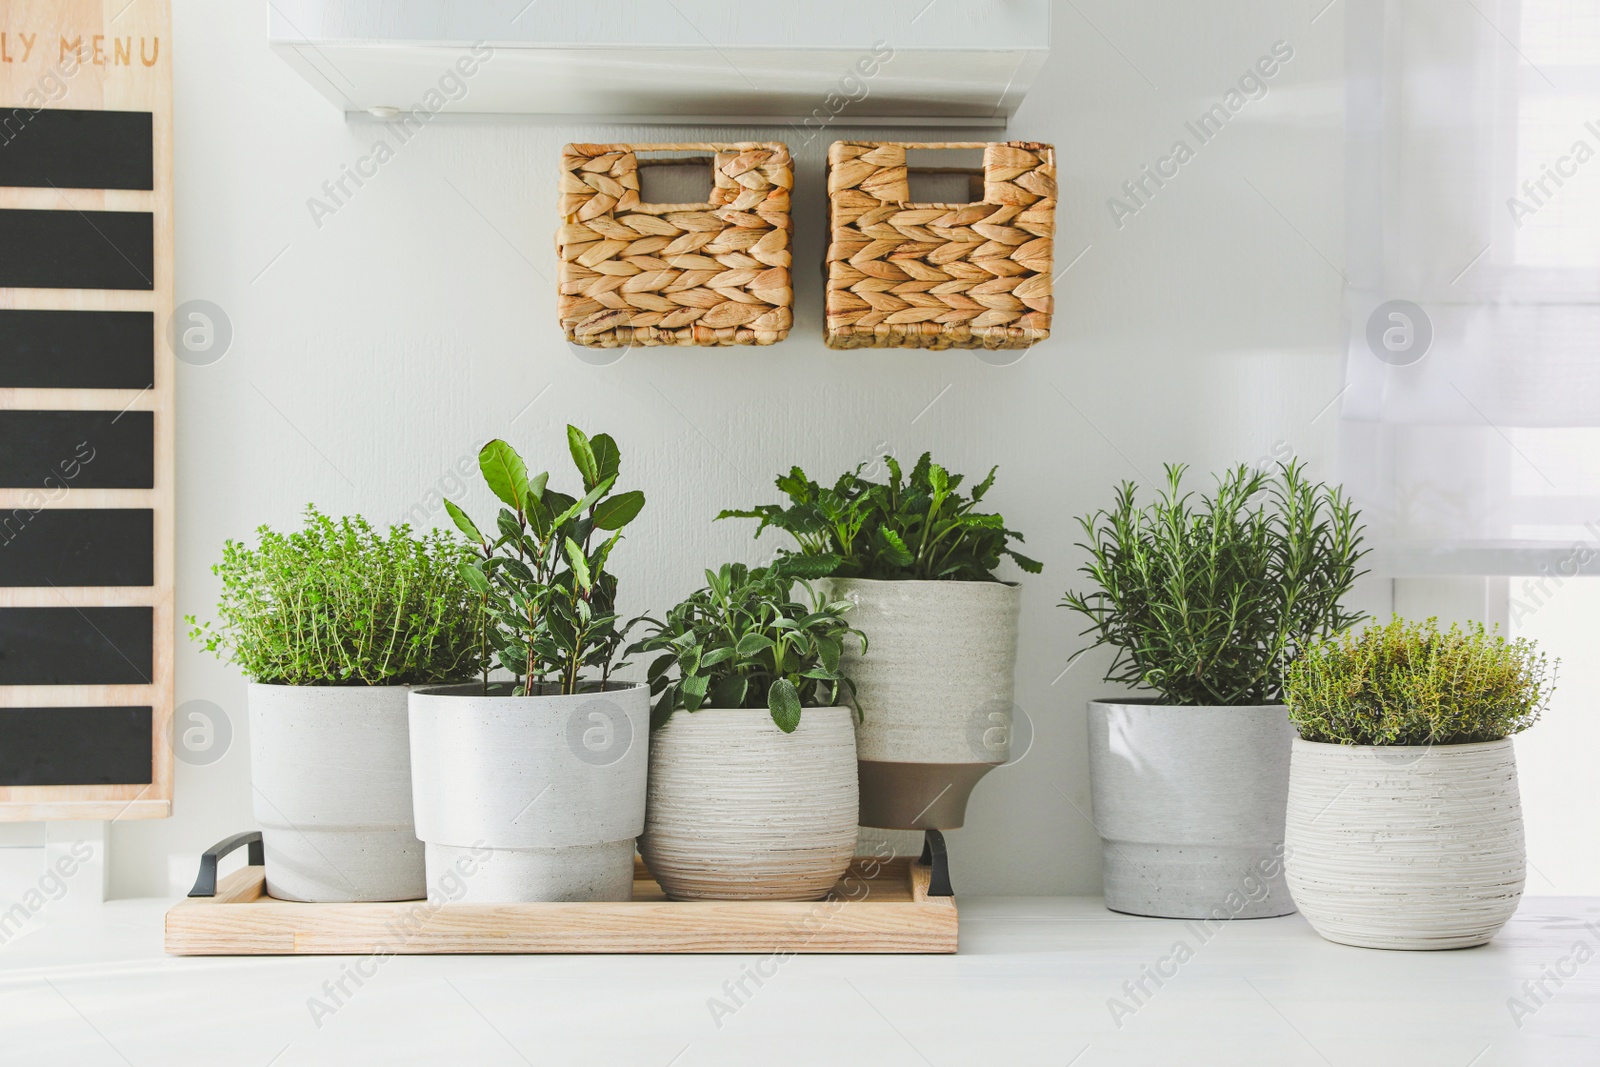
934	854
206	884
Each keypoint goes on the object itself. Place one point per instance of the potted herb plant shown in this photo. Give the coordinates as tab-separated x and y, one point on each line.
1404	825
1205	604
333	624
533	789
753	787
916	559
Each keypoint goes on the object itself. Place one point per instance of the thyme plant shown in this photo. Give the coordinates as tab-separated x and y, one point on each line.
548	602
1208	602
745	641
337	603
918	527
1405	683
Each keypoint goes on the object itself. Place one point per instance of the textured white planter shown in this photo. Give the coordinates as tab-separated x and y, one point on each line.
330	770
740	810
529	798
935	690
1405	847
1189	803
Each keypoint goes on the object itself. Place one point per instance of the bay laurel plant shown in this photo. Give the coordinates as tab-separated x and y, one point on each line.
911	527
338	603
1409	683
548	603
1208	600
746	641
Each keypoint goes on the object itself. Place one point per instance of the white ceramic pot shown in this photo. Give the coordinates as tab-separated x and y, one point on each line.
1405	847
529	798
330	770
1189	804
740	810
935	691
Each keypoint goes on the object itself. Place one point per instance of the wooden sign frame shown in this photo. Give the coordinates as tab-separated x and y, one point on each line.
83	56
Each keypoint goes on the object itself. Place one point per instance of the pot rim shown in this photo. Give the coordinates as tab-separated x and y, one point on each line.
340	688
920	581
1153	702
1369	749
502	691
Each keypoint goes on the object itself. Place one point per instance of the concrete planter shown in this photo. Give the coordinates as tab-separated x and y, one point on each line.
935	690
330	770
1406	847
1189	803
740	810
529	798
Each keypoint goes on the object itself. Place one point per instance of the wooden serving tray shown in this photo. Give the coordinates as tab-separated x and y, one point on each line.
878	906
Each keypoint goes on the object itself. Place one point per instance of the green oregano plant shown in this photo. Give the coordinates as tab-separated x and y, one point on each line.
337	603
745	641
1408	683
1208	601
918	527
548	602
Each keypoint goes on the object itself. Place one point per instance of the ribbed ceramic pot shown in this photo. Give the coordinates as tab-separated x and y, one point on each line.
330	771
935	691
529	798
1406	847
740	810
1189	803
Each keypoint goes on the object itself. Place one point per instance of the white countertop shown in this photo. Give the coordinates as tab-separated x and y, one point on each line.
1031	985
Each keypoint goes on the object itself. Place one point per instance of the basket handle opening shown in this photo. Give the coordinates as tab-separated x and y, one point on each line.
676	180
944	176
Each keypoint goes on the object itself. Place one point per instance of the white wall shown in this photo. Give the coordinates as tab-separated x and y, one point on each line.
372	354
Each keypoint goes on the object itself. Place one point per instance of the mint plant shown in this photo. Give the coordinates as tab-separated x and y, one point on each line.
745	641
337	603
548	602
911	528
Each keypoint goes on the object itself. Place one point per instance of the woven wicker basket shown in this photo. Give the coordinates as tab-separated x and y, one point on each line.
903	275
675	274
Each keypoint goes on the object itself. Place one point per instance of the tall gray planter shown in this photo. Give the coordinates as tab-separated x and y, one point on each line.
935	691
330	771
1189	803
530	798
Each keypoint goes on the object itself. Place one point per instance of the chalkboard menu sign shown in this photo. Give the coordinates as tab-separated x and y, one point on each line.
86	408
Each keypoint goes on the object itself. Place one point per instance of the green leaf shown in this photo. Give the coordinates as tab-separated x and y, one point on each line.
463	523
607	458
616	512
505	473
580	566
809	567
578	507
783	700
716	656
1032	566
753	644
730	692
693	688
659	667
664	707
474	577
583	455
898	552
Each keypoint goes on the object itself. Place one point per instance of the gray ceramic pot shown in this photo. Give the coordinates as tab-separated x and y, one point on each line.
529	798
740	810
1189	803
935	692
330	771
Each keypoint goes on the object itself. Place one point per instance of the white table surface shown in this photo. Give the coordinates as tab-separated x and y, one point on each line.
1031	985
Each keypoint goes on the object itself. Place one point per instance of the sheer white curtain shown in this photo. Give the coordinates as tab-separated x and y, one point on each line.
1473	156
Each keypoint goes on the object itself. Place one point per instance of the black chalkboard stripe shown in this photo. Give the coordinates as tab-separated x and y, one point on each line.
76	149
77	546
76	349
57	450
75	746
76	646
77	249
